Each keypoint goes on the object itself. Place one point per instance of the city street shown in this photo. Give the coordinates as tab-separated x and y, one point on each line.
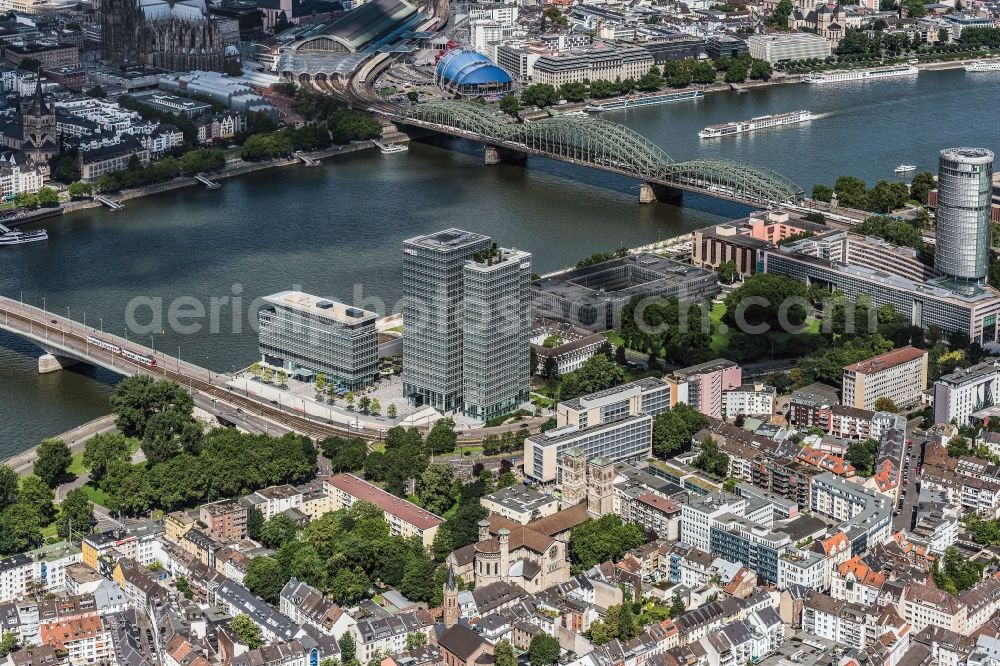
909	477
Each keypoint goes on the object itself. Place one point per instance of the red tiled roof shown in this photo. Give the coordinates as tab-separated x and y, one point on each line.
57	634
835	543
864	575
887	360
824	460
402	509
663	504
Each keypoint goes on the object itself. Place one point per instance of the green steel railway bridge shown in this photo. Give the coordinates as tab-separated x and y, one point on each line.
604	145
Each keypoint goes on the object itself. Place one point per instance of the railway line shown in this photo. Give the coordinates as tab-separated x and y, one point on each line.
68	338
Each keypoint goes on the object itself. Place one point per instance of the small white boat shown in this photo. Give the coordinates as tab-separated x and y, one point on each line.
390	148
20	237
905	168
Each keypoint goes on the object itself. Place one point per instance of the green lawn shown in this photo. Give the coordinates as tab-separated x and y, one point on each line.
614	337
720	340
76	467
96	495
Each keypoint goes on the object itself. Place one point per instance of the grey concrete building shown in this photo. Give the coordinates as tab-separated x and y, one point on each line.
593	297
845	262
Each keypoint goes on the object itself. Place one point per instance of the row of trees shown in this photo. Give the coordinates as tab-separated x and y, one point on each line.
509	442
673	74
138	174
406	456
228	464
183	465
897	232
45	197
284	142
853	192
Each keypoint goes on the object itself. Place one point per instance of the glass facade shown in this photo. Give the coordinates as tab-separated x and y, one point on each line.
496	333
300	331
433	316
962	239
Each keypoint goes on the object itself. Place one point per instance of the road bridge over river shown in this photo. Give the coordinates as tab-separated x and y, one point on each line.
66	341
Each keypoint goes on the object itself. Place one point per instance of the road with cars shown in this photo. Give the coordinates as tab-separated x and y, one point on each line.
913	459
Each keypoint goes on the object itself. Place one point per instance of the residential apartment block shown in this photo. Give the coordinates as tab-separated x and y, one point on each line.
405	518
899	375
967	390
702	385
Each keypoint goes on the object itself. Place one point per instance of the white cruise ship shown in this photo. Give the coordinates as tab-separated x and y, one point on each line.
9	237
983	66
760	122
838	75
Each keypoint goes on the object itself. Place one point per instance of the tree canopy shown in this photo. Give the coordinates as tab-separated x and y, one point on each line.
544	650
673	430
606	538
52	462
766	299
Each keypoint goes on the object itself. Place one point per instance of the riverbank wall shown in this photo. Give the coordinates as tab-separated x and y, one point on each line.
232	170
75	439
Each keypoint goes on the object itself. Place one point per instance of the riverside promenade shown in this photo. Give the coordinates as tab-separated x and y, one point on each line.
75	439
232	169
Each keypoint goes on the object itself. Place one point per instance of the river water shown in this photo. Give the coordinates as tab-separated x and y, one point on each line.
337	229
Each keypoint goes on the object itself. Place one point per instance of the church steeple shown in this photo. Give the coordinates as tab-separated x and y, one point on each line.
450	599
39	108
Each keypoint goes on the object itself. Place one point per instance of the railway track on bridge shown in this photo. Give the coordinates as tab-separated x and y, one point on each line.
73	340
69	337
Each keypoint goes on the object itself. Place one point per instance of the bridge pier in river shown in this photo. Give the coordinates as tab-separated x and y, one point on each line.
653	192
53	362
496	155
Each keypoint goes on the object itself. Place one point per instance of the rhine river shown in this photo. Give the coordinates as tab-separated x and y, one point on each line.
337	230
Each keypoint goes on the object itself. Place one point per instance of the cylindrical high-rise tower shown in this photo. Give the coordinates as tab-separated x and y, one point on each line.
962	240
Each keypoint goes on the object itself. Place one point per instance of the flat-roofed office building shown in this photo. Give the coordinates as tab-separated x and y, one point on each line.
301	332
433	272
496	338
788	46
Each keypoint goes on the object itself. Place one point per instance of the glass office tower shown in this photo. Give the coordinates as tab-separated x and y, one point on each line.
433	268
962	240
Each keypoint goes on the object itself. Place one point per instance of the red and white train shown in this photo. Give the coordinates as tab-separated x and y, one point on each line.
139	359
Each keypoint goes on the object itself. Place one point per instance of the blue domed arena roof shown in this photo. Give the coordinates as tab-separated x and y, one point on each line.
469	67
